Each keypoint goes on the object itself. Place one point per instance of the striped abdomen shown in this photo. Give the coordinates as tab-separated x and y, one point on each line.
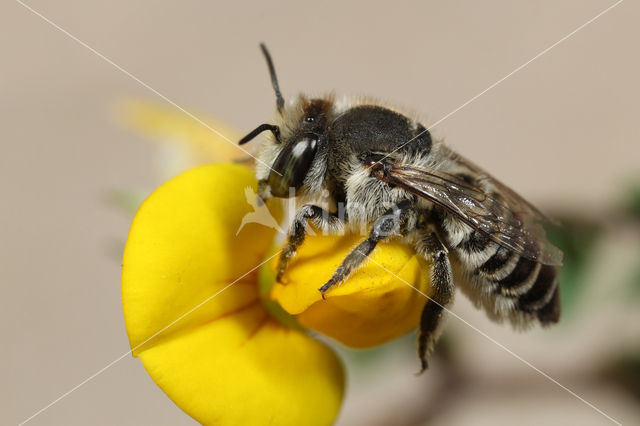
505	283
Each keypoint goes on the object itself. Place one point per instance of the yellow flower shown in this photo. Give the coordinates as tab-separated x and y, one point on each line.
372	307
184	142
199	320
226	361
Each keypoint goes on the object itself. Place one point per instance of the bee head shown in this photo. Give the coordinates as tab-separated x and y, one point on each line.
305	134
300	129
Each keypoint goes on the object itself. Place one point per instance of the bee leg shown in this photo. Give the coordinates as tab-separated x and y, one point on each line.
393	221
431	248
319	217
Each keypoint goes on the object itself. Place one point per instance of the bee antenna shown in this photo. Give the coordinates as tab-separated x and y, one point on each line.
274	79
261	128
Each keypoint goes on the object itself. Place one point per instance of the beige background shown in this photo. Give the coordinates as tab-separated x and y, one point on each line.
563	131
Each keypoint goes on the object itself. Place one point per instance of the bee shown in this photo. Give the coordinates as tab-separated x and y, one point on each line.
383	171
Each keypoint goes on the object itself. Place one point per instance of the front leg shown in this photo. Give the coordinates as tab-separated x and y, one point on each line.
431	248
396	220
319	217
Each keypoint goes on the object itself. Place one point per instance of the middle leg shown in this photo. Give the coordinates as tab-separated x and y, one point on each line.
395	221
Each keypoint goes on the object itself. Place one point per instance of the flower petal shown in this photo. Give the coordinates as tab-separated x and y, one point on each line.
226	361
371	307
248	370
182	249
169	125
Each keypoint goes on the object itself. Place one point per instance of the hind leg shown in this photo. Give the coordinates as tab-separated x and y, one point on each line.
432	249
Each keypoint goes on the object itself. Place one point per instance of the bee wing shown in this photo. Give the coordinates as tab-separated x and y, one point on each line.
503	215
517	203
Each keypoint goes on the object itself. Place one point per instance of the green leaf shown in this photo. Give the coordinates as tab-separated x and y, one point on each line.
576	237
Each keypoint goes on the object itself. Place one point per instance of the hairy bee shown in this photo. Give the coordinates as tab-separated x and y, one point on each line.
382	170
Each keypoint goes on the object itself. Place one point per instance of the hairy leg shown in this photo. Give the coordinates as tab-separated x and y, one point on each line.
431	248
395	221
319	217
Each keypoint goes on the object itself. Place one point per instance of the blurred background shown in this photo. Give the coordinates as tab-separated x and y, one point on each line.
82	143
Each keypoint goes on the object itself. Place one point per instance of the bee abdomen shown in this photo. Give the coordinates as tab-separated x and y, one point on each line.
534	286
499	266
531	287
543	298
476	249
550	313
521	279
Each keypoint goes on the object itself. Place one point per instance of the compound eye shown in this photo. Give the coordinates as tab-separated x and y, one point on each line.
292	165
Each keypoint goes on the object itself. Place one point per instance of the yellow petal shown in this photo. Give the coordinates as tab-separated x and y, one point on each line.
227	362
248	371
168	124
371	307
182	248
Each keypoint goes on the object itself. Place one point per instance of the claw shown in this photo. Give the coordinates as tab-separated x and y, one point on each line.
424	366
325	288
